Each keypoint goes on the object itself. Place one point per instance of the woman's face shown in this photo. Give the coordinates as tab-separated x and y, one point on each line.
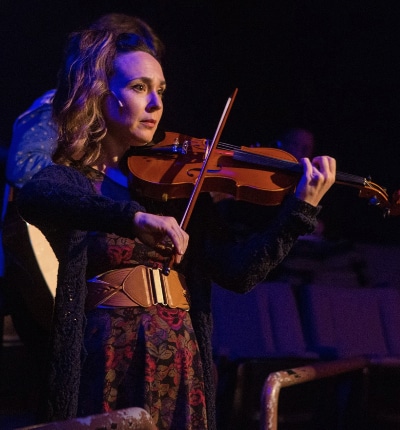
134	106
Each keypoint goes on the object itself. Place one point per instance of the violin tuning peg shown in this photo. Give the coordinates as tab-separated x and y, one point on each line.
185	147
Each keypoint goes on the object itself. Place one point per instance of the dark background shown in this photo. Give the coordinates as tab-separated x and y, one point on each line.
329	66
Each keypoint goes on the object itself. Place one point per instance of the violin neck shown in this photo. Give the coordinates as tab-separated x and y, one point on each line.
292	167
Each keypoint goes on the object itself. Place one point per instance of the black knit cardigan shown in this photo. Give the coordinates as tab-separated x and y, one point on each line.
233	244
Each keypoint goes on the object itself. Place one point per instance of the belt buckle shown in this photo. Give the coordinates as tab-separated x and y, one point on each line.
158	288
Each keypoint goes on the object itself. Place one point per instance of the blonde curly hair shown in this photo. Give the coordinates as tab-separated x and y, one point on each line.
83	83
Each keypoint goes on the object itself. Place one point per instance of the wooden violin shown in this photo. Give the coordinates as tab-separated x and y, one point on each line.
169	170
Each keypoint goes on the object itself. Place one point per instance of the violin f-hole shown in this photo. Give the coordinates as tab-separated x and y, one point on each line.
190	173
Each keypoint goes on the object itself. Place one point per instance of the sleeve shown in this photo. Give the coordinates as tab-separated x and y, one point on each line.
59	197
33	140
242	257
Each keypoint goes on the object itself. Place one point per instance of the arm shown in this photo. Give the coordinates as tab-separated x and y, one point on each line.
239	263
60	198
244	254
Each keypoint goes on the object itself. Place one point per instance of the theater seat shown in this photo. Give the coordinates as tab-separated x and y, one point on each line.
345	322
255	334
262	323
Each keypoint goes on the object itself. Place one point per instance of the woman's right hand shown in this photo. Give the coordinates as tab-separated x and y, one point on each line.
153	230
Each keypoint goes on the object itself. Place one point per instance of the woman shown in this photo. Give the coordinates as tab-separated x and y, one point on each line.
111	349
29	298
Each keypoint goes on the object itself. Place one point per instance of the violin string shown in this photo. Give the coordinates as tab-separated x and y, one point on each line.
227	146
290	165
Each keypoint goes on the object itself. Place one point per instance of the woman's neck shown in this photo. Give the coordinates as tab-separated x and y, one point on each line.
109	163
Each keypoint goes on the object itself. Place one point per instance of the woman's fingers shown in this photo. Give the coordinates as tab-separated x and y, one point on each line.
319	175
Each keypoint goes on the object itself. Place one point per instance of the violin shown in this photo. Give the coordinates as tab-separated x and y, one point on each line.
264	176
180	166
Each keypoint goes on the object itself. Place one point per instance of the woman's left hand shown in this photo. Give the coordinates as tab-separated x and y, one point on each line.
318	176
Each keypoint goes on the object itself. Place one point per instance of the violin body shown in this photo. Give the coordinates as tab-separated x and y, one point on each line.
163	175
261	176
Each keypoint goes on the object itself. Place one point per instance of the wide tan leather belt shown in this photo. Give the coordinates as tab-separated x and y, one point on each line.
138	286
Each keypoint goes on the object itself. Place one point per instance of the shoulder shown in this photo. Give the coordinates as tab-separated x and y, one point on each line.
62	173
41	106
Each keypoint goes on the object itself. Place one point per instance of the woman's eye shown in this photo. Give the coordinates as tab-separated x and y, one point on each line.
139	87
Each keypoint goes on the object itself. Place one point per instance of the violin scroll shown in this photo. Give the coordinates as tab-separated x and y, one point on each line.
375	195
378	196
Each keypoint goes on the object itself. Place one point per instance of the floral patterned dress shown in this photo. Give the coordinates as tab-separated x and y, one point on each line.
230	244
147	357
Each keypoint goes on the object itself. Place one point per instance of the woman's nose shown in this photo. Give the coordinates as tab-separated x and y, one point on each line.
155	101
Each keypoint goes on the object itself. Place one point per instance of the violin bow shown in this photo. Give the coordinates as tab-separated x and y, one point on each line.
200	179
